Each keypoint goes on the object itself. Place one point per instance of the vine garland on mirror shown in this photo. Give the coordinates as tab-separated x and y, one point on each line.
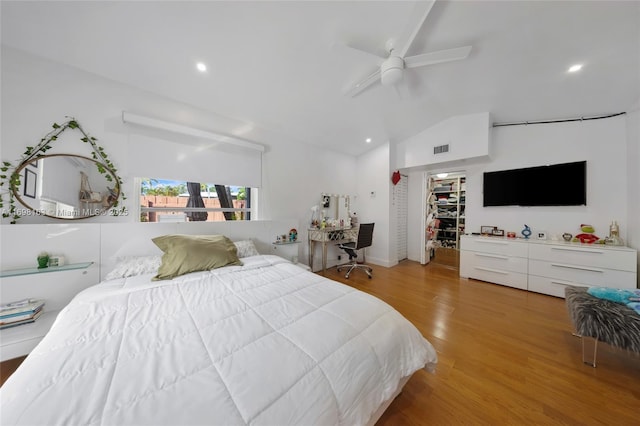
10	175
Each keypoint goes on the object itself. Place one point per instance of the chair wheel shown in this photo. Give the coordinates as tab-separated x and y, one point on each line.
369	276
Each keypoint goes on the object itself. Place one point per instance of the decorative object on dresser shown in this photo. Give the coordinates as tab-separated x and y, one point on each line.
614	235
587	235
487	230
546	266
526	232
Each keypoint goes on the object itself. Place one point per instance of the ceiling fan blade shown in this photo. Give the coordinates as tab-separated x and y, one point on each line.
359	87
370	52
421	10
437	57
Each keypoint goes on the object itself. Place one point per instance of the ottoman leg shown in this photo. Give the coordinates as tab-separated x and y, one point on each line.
589	350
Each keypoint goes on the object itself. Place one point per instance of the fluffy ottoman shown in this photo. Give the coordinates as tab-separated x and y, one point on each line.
602	320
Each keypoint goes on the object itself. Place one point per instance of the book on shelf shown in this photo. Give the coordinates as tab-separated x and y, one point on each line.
20	307
28	320
19	316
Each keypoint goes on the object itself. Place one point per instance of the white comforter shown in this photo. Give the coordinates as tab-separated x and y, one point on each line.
267	343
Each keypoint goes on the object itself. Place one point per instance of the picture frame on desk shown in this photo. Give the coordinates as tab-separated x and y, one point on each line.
487	230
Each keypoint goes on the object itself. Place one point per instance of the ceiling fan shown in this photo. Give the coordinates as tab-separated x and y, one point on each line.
393	61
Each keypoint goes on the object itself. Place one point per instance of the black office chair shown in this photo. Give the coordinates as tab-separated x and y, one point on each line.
365	237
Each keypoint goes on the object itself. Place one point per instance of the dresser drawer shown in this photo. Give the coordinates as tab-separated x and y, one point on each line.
585	274
493	261
506	278
494	245
551	286
592	256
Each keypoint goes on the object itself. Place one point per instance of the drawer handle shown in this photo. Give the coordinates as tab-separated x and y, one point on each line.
492	270
568	284
583	250
495	256
562	283
577	267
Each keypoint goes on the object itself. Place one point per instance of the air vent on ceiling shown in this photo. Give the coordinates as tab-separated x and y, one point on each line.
441	149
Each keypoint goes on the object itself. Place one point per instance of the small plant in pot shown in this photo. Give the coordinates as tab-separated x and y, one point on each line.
43	260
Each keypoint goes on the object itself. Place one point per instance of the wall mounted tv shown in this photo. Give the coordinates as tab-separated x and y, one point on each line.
554	185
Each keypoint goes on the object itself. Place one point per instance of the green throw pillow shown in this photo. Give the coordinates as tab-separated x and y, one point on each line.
191	253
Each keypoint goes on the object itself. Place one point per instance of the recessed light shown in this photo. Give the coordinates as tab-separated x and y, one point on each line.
575	68
442	175
201	67
368	140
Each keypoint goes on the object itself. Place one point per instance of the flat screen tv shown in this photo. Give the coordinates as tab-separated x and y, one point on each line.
554	185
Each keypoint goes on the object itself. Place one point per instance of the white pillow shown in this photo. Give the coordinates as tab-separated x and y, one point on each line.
246	248
135	265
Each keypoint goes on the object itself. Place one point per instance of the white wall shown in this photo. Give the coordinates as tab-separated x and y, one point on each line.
37	92
602	143
374	176
612	187
633	177
466	135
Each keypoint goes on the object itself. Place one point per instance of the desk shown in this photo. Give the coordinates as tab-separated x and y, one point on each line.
326	235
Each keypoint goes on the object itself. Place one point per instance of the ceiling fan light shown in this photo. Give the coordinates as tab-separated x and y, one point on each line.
391	70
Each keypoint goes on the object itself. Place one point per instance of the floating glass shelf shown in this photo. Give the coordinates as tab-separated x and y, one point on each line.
31	271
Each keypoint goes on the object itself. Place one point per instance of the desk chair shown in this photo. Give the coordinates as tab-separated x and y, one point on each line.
365	237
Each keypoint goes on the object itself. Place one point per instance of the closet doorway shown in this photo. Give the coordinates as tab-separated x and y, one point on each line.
444	217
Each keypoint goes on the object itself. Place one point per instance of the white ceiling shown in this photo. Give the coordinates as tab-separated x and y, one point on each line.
274	67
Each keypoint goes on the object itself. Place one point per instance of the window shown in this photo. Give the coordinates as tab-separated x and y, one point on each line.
163	200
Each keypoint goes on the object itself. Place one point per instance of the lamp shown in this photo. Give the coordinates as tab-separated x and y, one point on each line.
391	70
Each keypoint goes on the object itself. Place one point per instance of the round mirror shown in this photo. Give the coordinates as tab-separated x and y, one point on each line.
66	186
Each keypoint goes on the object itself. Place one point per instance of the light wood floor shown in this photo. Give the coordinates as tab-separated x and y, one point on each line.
506	356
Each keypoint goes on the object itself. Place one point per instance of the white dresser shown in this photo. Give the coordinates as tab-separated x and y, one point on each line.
546	266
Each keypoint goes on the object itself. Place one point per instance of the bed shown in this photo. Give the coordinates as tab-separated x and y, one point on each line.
261	341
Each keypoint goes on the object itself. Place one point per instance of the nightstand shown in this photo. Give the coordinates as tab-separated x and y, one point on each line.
55	285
